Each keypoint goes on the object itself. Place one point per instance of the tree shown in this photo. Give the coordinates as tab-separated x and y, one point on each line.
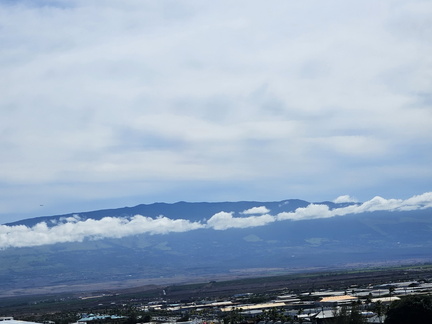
349	316
379	309
355	315
368	300
411	309
299	312
391	290
234	316
341	316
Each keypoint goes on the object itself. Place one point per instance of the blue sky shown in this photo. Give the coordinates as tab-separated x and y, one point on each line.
115	103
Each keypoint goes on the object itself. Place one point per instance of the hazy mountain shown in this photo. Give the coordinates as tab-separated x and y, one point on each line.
214	238
179	210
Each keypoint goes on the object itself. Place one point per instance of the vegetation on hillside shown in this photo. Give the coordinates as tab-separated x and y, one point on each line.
410	309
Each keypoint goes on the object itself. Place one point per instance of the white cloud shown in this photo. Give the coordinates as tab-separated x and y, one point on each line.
424	201
256	210
344	199
310	212
104	100
375	204
224	220
73	229
77	231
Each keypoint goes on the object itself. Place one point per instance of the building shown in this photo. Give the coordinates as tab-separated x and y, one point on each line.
11	320
338	300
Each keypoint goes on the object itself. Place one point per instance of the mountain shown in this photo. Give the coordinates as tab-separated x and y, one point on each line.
206	240
179	210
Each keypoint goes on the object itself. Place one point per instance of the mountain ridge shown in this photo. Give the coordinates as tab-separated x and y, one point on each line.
172	210
263	237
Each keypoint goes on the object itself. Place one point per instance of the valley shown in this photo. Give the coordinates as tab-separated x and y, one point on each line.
309	284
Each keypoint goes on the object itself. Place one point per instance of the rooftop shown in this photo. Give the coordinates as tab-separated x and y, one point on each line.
335	299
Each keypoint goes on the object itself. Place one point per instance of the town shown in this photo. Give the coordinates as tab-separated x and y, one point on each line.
355	303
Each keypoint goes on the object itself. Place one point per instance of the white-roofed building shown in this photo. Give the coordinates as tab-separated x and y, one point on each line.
11	320
338	300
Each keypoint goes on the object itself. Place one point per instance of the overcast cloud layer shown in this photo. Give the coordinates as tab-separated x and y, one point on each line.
73	229
113	103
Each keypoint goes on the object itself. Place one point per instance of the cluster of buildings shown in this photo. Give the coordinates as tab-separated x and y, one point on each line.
315	307
319	306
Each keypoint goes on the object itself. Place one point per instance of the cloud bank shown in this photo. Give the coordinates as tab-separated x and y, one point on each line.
73	229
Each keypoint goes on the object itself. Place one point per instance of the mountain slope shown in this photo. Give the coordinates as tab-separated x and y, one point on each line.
179	210
283	245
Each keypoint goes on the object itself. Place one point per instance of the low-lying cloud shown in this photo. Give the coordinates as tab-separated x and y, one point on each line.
224	220
377	203
256	210
75	229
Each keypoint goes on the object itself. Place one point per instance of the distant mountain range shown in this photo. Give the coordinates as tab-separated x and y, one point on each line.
179	210
184	241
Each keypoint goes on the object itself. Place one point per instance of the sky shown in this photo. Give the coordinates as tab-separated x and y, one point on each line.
114	103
